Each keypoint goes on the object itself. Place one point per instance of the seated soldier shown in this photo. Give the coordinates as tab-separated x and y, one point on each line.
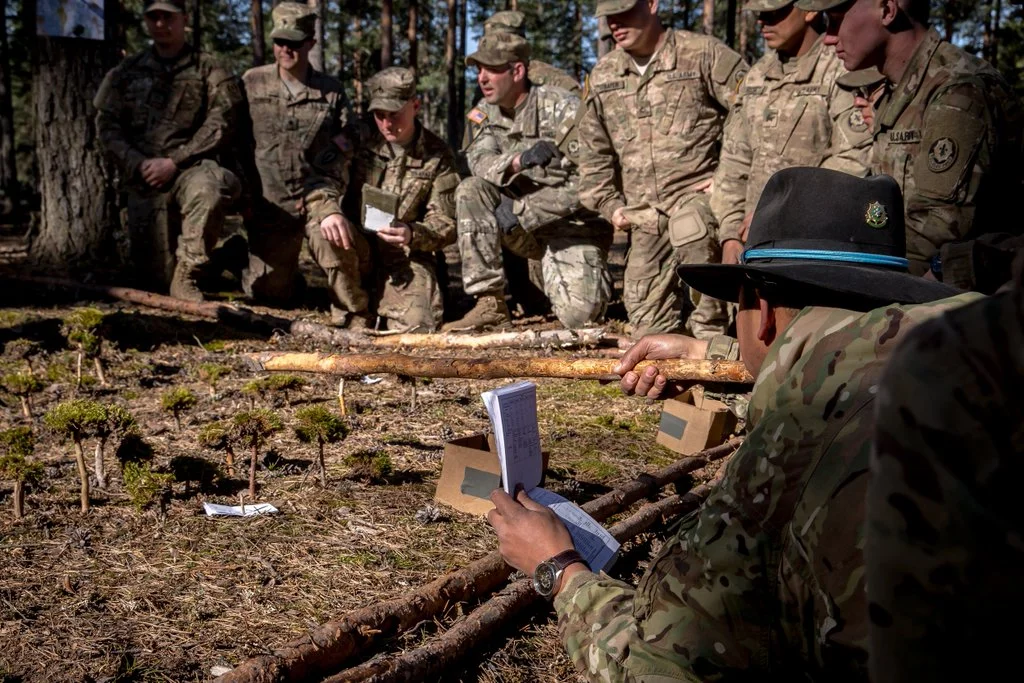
413	168
766	579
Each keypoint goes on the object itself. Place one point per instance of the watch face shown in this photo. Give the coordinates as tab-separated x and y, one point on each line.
544	578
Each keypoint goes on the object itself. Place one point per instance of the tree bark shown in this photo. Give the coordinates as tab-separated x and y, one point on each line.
83	475
229	458
78	211
8	164
709	17
259	47
449	62
98	468
316	55
357	365
357	63
331	645
412	35
341	48
252	473
386	34
26	406
19	499
577	54
323	467
460	70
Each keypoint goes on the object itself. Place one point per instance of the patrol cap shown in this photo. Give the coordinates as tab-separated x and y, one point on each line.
391	88
766	5
819	5
499	49
294	22
861	78
508	21
176	6
606	7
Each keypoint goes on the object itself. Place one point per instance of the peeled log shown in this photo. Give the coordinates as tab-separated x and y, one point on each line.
357	365
328	647
428	661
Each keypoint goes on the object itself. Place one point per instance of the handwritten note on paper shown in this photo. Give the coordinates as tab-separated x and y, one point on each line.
377	219
598	547
513	412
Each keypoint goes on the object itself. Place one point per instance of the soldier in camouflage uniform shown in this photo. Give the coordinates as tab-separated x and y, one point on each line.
296	115
164	115
522	195
944	527
649	140
396	153
766	580
793	112
948	129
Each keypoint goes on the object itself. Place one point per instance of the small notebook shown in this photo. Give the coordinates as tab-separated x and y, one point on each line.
379	208
513	413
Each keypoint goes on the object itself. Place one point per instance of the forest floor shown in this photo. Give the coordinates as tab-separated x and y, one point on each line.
122	594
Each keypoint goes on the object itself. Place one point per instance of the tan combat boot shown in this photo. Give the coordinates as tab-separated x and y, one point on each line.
183	284
490	311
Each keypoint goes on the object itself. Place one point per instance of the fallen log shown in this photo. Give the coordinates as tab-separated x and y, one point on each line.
328	647
446	650
357	365
266	323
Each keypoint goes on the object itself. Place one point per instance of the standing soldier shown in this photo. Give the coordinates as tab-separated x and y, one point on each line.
523	195
794	112
649	140
397	155
164	115
297	115
947	129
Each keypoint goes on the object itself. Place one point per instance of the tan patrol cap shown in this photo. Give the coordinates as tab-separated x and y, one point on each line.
391	88
293	21
176	6
508	21
861	78
606	7
499	49
765	5
819	5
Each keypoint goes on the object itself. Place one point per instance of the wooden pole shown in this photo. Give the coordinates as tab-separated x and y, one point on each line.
357	365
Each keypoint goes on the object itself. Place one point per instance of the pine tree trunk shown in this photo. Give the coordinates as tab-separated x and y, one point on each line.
229	456
78	371
83	475
252	474
100	375
341	48
259	47
323	468
19	499
709	17
177	421
385	34
8	166
78	214
197	25
744	33
577	54
101	473
316	55
460	61
26	407
730	23
449	62
357	63
411	34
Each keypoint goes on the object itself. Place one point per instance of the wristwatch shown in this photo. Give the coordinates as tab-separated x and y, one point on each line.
548	574
935	265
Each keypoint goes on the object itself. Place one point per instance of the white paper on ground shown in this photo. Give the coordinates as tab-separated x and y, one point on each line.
377	219
214	510
513	412
598	547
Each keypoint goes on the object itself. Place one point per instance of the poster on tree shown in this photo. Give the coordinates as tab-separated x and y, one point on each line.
70	18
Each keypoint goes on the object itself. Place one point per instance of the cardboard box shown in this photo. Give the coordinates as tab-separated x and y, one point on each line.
691	423
469	472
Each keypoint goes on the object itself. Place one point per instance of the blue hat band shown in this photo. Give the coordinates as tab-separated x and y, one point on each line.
854	257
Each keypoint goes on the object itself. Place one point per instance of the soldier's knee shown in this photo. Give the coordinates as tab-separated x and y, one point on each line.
477	190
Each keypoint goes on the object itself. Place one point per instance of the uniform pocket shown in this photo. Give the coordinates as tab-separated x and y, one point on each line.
691	223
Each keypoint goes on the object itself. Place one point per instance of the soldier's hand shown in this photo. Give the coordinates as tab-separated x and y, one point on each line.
506	217
540	154
732	250
745	228
528	533
337	230
158	172
650	382
620	222
867	110
398	233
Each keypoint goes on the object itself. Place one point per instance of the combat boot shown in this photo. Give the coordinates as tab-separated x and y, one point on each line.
490	311
183	283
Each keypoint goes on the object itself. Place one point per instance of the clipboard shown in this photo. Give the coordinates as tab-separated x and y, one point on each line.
379	208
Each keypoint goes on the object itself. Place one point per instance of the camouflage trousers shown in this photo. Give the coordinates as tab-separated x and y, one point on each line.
656	300
575	268
409	296
275	241
201	194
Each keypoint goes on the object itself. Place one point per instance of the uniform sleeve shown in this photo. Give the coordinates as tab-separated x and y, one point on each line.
729	196
728	69
224	98
955	154
850	145
437	230
599	183
109	125
328	175
485	158
558	194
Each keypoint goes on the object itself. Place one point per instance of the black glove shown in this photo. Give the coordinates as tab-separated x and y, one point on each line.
540	154
507	219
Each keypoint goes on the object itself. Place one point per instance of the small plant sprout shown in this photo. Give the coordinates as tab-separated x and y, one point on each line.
144	486
19	444
253	389
370	465
318	425
75	420
285	384
216	437
250	430
23	385
82	329
24	349
118	424
211	374
176	401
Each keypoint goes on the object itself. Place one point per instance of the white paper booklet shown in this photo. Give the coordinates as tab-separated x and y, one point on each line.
377	219
513	412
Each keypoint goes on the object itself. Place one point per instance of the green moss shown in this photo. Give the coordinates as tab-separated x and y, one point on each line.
143	485
596	469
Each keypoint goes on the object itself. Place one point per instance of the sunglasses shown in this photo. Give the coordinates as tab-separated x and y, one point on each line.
294	45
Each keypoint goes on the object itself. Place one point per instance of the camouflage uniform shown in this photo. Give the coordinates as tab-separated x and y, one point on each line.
423	176
949	133
185	110
944	528
765	581
793	113
650	143
572	244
